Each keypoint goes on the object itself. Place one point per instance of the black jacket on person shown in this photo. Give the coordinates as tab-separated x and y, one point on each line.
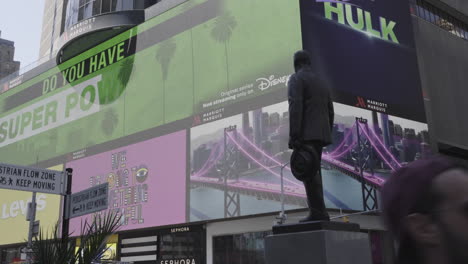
311	111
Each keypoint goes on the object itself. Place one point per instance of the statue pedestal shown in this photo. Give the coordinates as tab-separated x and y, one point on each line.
317	243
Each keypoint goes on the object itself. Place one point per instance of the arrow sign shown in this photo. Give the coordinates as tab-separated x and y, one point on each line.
91	200
30	179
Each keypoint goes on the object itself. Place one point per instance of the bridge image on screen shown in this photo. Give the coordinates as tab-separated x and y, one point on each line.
242	155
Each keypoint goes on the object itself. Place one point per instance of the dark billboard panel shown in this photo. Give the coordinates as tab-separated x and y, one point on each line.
365	50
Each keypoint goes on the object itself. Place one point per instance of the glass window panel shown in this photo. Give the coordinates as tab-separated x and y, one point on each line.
71	14
88	10
181	245
97	7
127	5
114	5
436	15
426	14
460	29
245	248
431	15
139	4
142	4
418	11
106	6
80	13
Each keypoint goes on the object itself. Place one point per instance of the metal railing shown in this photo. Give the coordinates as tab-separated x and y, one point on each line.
282	216
25	69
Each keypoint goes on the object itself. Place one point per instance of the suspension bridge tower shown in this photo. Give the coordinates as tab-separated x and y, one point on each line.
230	172
365	162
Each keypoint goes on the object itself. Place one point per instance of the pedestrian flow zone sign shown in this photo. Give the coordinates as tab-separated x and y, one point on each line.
31	179
91	200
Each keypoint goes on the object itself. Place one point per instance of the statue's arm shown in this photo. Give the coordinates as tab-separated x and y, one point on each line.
295	99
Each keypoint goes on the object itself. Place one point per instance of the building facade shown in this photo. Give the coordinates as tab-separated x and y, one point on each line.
7	53
51	28
181	107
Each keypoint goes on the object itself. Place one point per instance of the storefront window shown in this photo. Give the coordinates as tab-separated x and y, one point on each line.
247	248
183	245
439	17
186	245
10	255
110	253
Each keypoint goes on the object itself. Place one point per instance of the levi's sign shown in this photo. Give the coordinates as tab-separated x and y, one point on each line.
91	200
30	179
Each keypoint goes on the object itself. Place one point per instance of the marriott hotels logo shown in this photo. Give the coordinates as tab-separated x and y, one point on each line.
348	2
332	1
349	14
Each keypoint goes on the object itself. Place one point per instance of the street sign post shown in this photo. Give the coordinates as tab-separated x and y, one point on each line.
31	217
31	179
91	200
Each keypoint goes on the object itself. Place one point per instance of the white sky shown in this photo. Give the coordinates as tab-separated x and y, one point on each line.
21	22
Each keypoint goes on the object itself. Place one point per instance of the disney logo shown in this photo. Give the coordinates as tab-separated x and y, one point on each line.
265	83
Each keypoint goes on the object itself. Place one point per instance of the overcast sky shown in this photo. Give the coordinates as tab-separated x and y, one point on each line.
21	22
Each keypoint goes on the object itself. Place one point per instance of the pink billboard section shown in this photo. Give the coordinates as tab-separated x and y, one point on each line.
147	181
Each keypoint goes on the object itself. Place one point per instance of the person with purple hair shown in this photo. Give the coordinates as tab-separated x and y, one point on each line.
425	207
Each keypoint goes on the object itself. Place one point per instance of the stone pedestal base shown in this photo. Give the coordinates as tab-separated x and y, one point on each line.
317	243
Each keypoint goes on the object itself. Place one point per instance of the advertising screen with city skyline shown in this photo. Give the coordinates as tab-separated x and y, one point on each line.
244	153
186	117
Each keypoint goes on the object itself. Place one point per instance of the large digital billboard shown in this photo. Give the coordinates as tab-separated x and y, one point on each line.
195	57
151	83
365	50
242	155
186	116
147	181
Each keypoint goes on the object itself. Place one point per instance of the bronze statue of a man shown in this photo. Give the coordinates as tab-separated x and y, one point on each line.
311	117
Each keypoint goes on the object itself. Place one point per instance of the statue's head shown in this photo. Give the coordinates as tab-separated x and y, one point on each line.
302	59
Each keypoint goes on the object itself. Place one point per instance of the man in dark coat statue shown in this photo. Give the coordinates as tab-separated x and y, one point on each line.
311	122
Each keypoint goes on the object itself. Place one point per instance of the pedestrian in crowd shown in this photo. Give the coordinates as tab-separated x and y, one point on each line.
425	206
310	122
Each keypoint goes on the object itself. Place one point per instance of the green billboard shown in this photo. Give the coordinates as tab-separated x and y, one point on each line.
189	60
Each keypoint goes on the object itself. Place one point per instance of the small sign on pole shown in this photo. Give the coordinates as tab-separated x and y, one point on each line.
30	211
35	230
30	179
91	200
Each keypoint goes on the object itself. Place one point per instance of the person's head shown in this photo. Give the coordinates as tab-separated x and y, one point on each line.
301	60
425	205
